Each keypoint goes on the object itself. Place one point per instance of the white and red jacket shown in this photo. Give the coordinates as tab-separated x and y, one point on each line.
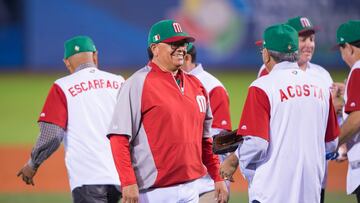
288	113
352	103
82	104
165	126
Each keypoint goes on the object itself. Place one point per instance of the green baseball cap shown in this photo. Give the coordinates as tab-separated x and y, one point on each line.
301	24
282	38
348	32
167	31
189	47
78	44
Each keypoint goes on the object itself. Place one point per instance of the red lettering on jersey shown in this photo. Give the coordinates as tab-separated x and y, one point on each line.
320	94
102	83
283	96
306	90
298	90
83	87
91	86
78	88
115	85
108	84
315	89
289	93
96	84
72	92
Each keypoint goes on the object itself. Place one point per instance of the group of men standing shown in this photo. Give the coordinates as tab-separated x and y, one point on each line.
153	132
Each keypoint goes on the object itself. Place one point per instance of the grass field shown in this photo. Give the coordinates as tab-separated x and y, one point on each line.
24	94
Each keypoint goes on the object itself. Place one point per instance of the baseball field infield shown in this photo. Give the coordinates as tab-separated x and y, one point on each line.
23	95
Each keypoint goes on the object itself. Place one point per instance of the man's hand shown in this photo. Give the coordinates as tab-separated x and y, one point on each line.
221	192
130	194
342	153
27	173
337	92
228	167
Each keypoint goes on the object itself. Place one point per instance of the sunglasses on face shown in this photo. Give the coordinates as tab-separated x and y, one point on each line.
175	45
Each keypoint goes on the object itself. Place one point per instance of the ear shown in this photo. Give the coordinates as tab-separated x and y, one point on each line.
67	64
95	58
266	56
188	57
154	49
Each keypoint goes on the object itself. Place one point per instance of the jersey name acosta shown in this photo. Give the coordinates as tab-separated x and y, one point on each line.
305	90
92	84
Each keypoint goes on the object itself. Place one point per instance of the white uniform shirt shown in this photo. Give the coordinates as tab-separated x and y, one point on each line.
88	98
288	108
352	103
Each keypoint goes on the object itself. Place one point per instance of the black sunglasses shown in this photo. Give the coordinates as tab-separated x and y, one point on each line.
175	45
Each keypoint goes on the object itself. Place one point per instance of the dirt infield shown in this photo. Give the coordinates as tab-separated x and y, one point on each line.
52	175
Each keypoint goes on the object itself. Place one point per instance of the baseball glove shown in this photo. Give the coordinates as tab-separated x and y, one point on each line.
225	142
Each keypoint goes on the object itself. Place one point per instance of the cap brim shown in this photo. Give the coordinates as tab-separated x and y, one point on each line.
259	43
179	38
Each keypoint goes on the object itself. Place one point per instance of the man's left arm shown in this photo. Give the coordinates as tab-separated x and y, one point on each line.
350	127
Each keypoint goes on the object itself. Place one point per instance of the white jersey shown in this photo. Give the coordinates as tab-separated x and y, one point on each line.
88	98
352	103
219	103
320	73
291	110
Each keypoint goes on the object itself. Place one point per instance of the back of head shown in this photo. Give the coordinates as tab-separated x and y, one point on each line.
191	50
349	32
78	44
282	42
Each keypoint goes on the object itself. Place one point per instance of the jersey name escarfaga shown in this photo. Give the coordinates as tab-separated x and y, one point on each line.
91	85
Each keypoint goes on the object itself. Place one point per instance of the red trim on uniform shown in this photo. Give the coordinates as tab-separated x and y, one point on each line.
220	107
55	108
121	154
332	128
210	160
255	119
353	96
263	72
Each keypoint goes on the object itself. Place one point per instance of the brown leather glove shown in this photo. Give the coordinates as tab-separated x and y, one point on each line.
225	142
27	173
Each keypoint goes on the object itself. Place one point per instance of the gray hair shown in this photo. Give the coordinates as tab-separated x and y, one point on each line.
280	57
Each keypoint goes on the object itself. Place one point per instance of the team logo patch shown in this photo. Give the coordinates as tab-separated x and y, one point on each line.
42	114
305	22
243	127
223	122
177	27
201	102
77	48
352	104
156	37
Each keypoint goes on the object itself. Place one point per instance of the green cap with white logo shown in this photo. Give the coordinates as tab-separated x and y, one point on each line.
281	38
348	32
167	31
77	45
301	24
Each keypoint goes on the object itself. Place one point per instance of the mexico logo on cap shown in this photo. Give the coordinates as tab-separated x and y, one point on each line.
156	37
177	27
77	48
305	22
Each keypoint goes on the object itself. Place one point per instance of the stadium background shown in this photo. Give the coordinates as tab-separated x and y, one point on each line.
32	33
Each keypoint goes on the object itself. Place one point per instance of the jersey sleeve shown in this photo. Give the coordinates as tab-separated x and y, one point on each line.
353	97
126	118
332	128
220	107
55	108
255	118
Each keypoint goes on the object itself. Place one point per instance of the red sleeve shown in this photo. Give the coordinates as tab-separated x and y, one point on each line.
210	160
55	108
255	118
332	128
353	96
220	107
121	153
